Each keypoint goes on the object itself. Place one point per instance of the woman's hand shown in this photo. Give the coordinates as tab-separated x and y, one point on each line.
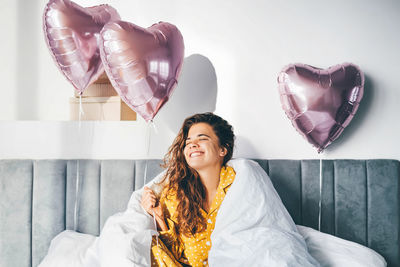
149	200
151	204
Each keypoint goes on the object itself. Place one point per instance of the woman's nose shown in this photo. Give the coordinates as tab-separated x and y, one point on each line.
193	144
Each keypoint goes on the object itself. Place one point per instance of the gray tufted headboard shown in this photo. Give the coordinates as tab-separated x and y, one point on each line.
360	200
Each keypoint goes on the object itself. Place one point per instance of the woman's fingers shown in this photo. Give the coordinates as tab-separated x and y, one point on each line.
146	192
147	189
150	197
149	200
152	202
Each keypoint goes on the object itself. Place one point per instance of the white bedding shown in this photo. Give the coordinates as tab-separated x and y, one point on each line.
331	251
252	229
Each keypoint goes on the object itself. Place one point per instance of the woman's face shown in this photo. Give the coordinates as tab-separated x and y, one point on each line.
202	148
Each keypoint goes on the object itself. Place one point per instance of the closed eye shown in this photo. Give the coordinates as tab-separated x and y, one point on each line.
200	137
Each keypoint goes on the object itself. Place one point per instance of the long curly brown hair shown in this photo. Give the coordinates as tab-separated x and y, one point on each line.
184	180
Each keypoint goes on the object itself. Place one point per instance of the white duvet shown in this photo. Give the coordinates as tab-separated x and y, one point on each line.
252	228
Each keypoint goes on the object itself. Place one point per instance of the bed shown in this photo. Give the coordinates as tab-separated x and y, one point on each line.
360	200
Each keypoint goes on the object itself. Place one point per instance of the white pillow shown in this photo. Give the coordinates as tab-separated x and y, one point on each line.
71	249
333	251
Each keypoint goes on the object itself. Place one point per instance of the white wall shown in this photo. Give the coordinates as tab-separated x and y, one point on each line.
234	51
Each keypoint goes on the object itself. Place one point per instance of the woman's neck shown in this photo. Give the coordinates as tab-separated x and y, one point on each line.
210	179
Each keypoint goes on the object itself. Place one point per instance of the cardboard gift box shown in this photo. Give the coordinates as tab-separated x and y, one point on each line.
101	108
100	101
101	87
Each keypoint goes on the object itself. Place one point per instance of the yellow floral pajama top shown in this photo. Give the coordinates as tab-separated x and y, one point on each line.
193	250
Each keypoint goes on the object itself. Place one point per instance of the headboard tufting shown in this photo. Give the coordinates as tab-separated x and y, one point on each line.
360	200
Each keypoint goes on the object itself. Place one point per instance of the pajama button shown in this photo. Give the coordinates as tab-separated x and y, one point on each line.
209	221
208	243
204	262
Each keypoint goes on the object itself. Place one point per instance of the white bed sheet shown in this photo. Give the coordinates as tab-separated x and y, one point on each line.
332	251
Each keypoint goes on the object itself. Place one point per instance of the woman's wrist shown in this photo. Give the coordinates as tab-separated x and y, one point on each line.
161	223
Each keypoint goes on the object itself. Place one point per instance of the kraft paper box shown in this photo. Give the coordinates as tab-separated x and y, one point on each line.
101	108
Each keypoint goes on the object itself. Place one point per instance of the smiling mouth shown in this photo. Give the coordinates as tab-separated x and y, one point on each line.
195	154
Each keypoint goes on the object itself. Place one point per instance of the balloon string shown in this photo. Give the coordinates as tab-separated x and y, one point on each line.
149	125
154	126
77	185
158	245
81	113
148	132
155	225
320	195
77	192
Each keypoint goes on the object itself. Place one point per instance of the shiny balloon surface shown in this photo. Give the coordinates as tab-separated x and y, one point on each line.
320	102
72	33
143	64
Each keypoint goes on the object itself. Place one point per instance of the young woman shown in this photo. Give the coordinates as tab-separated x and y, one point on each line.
253	227
196	181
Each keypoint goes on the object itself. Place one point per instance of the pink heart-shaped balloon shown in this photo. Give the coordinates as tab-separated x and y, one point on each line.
320	103
143	65
71	33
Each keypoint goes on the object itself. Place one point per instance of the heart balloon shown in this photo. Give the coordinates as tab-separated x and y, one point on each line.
320	103
71	33
143	65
